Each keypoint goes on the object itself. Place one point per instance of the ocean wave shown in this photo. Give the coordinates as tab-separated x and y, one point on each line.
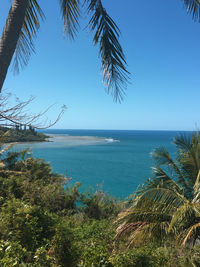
81	139
111	140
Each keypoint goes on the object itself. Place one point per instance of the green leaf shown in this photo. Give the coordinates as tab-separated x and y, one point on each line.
70	12
30	28
114	66
193	8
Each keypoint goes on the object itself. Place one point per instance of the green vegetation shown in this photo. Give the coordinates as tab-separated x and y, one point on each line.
45	221
167	207
23	23
22	134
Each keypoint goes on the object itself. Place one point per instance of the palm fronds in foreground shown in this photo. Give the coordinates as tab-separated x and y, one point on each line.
106	35
168	206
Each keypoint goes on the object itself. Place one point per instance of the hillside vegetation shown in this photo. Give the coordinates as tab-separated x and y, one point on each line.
46	221
19	134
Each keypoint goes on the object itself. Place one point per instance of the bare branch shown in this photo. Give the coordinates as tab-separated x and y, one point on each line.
18	113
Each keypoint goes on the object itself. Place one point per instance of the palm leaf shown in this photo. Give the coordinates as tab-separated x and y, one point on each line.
197	184
189	151
70	13
115	74
193	8
183	142
182	215
139	224
25	45
150	215
190	232
169	204
164	196
162	157
162	179
189	156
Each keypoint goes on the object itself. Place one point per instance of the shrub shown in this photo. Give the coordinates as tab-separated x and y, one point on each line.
12	254
62	248
98	205
30	226
94	241
136	257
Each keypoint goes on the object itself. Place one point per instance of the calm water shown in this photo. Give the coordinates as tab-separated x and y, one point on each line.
117	160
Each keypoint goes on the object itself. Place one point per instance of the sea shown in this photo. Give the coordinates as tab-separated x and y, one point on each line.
115	161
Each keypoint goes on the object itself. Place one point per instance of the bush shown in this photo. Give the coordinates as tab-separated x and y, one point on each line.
62	248
135	257
98	205
94	241
30	226
12	254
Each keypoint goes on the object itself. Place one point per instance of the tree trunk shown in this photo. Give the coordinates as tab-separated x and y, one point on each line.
10	36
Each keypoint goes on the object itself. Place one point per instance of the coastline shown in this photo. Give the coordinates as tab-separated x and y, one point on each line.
65	137
79	139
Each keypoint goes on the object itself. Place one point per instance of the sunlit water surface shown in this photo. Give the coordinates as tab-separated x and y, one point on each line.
118	161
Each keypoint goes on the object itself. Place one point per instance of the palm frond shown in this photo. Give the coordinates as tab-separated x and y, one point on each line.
160	180
196	208
193	8
150	215
115	74
182	215
189	234
169	204
164	180
128	227
162	157
139	225
70	13
184	170
145	232
183	142
189	156
157	230
164	196
25	45
197	184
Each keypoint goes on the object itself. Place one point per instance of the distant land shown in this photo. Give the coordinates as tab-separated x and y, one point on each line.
22	134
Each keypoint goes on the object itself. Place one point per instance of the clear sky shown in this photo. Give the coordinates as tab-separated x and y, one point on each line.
162	47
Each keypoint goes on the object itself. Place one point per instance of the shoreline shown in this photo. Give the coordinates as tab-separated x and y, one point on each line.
70	140
80	138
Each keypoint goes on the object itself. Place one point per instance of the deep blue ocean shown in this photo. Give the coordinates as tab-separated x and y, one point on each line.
116	161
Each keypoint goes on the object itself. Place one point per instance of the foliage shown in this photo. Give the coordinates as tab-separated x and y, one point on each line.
94	241
29	225
12	254
39	213
106	35
155	256
168	206
99	205
46	222
33	181
62	246
22	135
136	257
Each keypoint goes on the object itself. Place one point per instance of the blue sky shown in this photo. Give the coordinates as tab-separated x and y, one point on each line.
161	43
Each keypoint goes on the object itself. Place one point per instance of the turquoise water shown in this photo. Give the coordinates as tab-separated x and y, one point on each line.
118	161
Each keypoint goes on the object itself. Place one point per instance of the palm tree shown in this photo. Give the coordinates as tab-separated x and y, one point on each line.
168	206
23	23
